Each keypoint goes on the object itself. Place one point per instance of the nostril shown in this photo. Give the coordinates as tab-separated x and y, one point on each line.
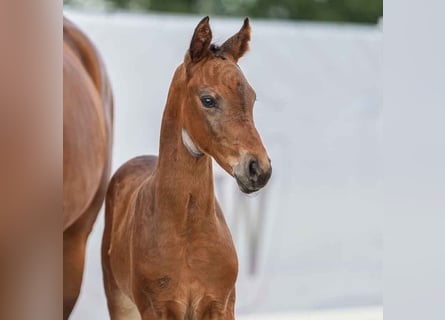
253	170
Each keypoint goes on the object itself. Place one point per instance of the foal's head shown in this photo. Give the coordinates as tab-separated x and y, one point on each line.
218	115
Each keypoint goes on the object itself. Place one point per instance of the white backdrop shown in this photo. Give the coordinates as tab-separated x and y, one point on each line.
312	239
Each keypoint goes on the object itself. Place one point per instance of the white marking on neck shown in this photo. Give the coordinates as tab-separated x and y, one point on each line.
190	145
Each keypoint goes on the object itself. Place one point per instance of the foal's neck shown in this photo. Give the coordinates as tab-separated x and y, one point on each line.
183	180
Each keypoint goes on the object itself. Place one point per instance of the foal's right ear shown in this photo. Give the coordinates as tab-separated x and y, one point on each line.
199	47
237	45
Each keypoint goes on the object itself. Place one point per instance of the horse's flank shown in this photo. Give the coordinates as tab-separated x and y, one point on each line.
87	140
87	130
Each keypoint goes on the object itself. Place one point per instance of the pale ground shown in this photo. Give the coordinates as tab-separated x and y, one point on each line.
375	313
316	228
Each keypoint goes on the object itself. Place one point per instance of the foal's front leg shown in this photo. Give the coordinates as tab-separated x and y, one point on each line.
166	314
150	309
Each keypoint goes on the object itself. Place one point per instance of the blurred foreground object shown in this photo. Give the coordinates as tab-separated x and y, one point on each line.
30	159
87	144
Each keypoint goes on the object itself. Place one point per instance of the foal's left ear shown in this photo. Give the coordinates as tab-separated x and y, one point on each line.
238	44
199	46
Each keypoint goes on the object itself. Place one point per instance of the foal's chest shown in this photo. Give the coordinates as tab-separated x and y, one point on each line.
193	270
208	259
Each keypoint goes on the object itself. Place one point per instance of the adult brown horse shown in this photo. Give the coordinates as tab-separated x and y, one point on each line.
87	139
167	252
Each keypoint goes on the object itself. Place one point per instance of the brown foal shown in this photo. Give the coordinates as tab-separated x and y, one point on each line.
167	251
87	138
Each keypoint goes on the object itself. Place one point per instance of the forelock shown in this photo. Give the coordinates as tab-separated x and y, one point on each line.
217	51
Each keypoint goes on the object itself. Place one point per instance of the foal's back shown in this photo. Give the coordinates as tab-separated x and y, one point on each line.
131	174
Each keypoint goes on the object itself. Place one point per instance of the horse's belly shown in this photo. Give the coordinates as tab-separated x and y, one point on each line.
84	141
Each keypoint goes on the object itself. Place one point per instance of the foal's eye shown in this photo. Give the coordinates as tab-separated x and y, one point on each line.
208	101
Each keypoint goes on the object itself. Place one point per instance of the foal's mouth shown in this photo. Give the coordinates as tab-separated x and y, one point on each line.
245	188
250	174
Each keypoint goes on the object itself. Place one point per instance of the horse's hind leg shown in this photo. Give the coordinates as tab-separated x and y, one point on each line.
73	263
74	244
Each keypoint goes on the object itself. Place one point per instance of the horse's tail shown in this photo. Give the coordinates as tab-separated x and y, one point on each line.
94	65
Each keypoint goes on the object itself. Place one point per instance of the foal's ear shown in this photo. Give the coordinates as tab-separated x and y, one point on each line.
199	46
238	44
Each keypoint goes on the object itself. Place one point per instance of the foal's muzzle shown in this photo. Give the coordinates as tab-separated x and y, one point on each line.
251	175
